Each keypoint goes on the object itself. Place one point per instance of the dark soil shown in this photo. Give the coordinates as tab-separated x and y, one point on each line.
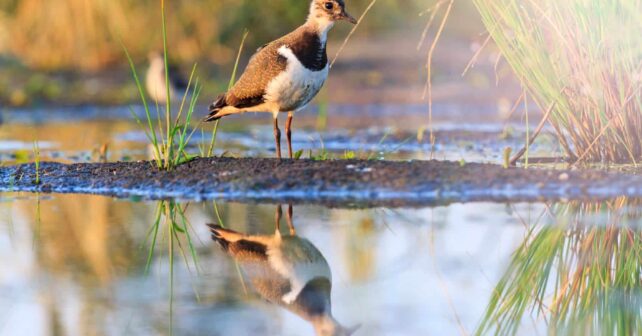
339	183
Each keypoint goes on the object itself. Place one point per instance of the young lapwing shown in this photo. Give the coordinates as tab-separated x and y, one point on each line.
155	80
287	271
284	75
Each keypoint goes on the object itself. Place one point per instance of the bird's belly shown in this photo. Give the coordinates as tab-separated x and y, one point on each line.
295	87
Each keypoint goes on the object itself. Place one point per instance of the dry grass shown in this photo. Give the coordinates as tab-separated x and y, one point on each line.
584	56
433	11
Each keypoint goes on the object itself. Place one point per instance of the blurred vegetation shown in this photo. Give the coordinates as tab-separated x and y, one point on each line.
58	34
69	52
584	59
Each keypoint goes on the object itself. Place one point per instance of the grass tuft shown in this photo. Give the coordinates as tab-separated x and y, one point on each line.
169	135
583	56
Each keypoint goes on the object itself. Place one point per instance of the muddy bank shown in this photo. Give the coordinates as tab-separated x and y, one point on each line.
340	183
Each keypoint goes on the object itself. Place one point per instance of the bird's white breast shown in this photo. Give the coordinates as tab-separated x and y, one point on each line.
296	86
298	261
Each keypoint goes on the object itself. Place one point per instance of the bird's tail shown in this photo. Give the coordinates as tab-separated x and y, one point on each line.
216	107
223	236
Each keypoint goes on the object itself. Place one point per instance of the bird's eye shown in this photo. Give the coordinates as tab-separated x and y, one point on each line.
329	5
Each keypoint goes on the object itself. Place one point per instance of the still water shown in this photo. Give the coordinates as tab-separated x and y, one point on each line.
89	265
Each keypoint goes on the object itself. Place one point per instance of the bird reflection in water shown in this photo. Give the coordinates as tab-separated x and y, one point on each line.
286	270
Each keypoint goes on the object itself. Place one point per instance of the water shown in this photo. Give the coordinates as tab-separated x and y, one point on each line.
76	265
369	131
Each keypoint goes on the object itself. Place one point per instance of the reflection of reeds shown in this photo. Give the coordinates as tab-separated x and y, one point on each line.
171	216
583	276
177	229
585	57
71	237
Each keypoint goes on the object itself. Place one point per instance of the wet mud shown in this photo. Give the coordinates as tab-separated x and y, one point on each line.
333	182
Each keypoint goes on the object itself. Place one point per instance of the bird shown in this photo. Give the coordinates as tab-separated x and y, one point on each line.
155	79
285	74
286	270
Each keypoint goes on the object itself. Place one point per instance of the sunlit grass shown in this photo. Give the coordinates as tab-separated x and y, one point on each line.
210	150
167	134
581	276
36	156
583	56
434	11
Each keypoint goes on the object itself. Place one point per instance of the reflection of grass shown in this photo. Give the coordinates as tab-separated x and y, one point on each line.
583	56
38	222
584	276
171	216
172	138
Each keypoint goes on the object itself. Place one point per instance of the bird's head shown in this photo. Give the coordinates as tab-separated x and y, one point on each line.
326	12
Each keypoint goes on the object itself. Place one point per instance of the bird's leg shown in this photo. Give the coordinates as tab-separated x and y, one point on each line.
277	219
277	137
288	133
289	220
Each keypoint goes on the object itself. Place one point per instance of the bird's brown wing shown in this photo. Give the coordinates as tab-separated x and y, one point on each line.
237	245
264	65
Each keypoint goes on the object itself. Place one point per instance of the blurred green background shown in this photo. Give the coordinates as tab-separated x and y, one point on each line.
49	48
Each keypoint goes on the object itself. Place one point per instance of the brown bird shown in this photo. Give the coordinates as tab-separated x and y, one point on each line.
286	270
284	75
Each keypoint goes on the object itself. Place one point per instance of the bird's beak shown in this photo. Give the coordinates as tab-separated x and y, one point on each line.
347	17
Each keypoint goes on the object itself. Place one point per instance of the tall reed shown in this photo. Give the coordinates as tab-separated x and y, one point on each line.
583	56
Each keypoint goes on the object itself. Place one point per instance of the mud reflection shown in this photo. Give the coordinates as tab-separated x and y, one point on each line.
286	270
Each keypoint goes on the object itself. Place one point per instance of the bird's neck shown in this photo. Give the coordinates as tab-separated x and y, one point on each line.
320	25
